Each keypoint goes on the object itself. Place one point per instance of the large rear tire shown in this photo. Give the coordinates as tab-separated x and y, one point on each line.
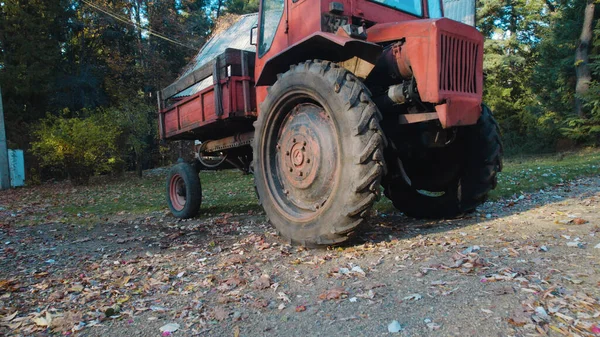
183	191
476	159
318	153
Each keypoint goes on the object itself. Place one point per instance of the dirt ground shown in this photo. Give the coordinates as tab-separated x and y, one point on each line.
523	267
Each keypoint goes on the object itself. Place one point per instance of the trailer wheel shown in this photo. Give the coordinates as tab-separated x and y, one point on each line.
318	153
184	192
479	162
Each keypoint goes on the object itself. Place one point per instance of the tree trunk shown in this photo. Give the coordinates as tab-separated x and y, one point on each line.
219	4
582	68
138	164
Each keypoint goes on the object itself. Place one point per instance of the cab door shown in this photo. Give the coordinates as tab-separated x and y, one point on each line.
272	32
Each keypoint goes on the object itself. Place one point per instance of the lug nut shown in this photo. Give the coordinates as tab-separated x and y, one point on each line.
300	173
287	153
293	140
308	160
304	143
291	169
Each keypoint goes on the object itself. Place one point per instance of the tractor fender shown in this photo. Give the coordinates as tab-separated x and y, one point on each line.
319	45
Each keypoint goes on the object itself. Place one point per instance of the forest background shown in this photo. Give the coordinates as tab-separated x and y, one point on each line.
79	77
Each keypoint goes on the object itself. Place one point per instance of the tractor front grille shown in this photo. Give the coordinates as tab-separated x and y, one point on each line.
458	64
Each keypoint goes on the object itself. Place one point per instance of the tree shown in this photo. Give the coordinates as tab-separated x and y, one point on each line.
241	6
512	29
31	36
134	120
583	73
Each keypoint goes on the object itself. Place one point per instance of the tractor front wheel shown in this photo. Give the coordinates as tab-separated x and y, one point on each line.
318	153
470	165
183	192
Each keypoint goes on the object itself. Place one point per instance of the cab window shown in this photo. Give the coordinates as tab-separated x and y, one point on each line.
413	7
272	10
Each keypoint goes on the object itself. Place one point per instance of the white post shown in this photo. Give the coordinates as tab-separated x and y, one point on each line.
4	169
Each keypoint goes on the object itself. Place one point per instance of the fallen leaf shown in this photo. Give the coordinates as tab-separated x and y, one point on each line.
10	317
369	294
282	296
220	313
169	327
579	221
76	288
300	308
66	322
235	259
262	282
519	318
333	294
43	321
413	297
433	326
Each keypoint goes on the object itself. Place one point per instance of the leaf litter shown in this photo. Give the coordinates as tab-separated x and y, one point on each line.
213	274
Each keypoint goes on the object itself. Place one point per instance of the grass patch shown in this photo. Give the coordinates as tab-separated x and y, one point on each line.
532	173
226	191
230	191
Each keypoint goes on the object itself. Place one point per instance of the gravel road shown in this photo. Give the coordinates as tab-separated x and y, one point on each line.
522	267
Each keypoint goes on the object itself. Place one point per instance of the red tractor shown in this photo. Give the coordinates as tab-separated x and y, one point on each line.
336	99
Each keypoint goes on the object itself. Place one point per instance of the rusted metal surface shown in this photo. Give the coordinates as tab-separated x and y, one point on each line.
229	64
319	45
417	118
201	109
444	56
161	117
303	18
446	59
305	157
459	111
177	192
238	140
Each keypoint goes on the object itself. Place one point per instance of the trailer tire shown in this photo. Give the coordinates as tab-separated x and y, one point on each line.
481	162
318	154
183	191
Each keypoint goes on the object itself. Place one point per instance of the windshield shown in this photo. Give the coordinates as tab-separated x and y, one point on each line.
460	10
410	6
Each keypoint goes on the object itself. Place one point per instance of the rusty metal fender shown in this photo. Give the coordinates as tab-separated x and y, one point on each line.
320	45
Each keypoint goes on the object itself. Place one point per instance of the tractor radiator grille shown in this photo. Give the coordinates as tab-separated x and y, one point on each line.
458	64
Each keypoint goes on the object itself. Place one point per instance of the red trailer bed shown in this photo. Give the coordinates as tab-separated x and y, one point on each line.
223	102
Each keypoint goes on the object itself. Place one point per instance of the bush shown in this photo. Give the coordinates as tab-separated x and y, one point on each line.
80	146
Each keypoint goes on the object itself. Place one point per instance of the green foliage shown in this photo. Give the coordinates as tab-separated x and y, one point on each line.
136	122
529	67
80	146
241	6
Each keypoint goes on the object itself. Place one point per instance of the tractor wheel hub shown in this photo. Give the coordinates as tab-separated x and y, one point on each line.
307	157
